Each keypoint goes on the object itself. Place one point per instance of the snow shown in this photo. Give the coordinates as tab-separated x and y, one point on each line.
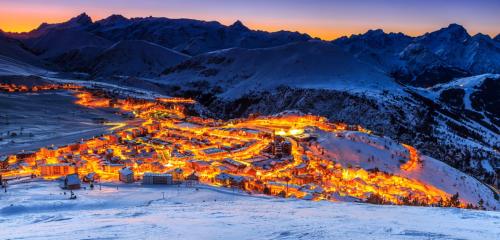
312	64
468	84
10	66
355	149
39	210
135	58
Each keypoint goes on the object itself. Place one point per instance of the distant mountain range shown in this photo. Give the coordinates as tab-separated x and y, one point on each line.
432	58
438	91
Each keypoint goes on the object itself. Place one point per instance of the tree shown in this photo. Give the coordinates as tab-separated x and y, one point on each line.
375	199
267	190
480	204
454	200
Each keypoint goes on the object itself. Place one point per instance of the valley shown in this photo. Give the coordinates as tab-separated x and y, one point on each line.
285	155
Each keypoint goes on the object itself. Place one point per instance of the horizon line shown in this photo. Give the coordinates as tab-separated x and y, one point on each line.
250	26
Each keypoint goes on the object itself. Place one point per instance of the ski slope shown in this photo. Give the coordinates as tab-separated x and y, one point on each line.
39	210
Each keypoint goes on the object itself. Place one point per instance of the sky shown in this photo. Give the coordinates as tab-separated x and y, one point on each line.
326	19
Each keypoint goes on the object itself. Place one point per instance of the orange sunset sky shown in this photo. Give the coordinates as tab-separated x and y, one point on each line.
319	18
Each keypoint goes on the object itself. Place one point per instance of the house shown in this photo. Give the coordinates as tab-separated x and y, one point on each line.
227	179
192	179
250	171
126	175
233	165
58	169
200	165
91	177
4	163
70	182
111	167
157	178
177	174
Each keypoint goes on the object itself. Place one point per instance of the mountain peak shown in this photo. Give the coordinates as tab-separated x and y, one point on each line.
115	18
373	32
82	19
497	38
238	25
452	33
481	36
455	29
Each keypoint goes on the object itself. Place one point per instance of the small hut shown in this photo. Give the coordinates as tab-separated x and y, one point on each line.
126	175
70	182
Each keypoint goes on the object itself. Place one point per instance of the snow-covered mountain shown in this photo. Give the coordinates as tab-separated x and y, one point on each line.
376	47
432	58
314	64
185	35
477	54
190	36
478	94
135	58
59	41
14	49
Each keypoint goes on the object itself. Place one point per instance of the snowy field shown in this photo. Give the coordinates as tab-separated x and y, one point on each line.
40	210
47	118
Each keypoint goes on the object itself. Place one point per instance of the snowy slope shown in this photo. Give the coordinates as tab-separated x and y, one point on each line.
135	58
39	211
312	64
477	95
356	149
11	48
58	41
468	84
10	66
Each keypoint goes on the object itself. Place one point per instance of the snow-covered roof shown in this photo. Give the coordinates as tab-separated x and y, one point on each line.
150	174
73	179
126	171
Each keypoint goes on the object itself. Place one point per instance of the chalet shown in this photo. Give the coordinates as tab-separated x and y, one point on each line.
26	156
58	169
70	182
177	174
126	175
230	180
233	165
250	171
157	167
200	166
277	188
111	167
91	177
4	163
192	179
157	178
300	169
